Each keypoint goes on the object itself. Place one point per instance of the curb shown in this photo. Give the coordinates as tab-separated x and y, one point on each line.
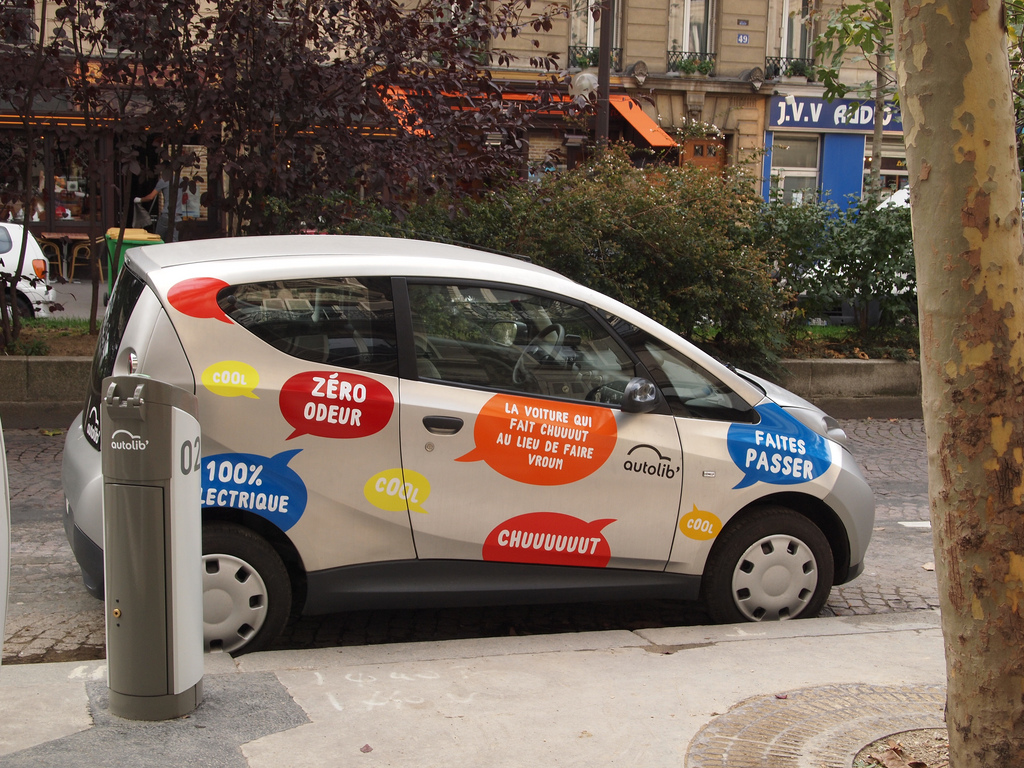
49	391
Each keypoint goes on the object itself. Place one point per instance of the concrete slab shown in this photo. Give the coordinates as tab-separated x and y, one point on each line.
42	702
635	705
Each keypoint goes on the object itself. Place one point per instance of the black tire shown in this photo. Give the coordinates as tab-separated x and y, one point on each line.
772	564
25	309
247	594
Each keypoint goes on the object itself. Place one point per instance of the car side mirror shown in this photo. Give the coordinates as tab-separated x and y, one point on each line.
505	333
640	396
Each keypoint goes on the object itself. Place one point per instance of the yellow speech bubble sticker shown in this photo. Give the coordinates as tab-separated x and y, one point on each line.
700	525
392	489
231	378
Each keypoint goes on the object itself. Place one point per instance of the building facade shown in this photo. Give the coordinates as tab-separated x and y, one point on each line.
745	67
710	82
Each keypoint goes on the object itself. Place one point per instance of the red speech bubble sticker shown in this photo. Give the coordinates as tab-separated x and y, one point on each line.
336	405
549	538
197	297
540	442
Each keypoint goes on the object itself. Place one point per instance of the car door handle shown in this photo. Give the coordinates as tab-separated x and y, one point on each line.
442	425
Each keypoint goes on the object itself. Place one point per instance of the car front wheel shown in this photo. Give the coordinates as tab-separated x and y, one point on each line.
773	564
246	590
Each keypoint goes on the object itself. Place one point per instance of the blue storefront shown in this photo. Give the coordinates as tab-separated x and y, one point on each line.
824	148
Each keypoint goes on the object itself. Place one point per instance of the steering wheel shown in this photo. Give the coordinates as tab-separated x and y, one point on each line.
538	347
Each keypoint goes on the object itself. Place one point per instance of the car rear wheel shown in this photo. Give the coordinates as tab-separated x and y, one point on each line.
247	594
773	564
25	310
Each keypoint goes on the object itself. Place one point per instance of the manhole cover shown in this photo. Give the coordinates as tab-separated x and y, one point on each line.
820	727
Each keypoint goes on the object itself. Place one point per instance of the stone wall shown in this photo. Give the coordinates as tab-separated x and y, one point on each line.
42	391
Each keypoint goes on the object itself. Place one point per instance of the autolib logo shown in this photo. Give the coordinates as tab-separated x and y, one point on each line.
92	427
661	467
123	440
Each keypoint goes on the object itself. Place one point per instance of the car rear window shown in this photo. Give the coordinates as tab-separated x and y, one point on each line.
126	294
348	322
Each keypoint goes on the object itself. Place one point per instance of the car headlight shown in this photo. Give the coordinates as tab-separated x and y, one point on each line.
821	423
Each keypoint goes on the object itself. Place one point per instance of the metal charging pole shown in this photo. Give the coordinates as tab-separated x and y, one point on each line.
152	543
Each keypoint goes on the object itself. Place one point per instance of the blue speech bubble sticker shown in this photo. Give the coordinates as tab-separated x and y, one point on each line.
265	486
779	450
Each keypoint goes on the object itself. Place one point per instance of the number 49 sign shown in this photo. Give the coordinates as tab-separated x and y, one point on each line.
743	38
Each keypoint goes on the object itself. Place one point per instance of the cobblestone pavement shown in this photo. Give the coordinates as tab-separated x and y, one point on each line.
52	618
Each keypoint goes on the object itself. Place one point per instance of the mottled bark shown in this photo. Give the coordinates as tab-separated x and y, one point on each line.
958	119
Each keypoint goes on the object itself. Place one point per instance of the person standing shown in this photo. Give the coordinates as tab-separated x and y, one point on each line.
162	187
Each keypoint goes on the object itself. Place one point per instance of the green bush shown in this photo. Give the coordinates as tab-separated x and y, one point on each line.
676	243
826	256
698	251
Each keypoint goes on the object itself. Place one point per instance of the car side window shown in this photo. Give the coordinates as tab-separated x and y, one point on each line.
691	391
508	339
348	322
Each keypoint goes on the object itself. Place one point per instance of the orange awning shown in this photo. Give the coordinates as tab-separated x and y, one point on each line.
649	130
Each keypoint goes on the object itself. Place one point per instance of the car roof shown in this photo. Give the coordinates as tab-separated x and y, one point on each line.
272	257
404	255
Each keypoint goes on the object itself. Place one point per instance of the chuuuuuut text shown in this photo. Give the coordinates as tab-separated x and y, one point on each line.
549	542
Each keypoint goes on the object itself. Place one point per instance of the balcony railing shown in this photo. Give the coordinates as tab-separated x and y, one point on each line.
584	56
691	63
782	66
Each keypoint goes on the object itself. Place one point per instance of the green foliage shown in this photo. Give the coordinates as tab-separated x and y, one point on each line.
862	255
687	65
697	251
797	68
673	242
865	27
691	65
1015	35
35	348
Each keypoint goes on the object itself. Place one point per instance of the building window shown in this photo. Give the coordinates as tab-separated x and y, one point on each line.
690	26
894	165
17	22
796	33
585	35
794	167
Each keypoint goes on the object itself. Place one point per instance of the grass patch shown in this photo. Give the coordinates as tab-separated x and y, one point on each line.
78	325
846	341
59	336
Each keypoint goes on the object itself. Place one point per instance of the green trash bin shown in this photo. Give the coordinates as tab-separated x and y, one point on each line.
115	256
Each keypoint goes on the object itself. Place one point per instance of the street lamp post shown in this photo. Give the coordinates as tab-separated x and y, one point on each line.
604	72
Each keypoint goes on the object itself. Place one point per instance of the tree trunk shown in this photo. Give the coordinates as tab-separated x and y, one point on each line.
958	124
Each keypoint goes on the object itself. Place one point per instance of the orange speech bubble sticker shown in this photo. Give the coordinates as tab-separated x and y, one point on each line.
540	442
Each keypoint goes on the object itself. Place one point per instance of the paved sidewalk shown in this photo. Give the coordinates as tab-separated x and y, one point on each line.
807	694
524	686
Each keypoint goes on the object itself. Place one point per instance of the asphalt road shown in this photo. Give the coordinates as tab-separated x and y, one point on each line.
52	618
